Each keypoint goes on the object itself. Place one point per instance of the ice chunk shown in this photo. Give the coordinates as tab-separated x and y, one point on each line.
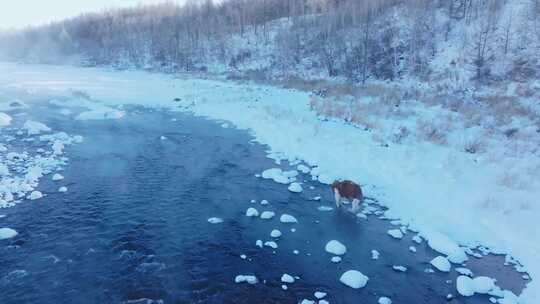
34	195
266	215
264	202
412	249
395	233
252	212
275	233
441	263
375	255
63	189
384	300
465	286
354	279
7	233
250	279
259	243
295	187
57	177
286	218
324	302
325	208
287	279
306	301
335	247
215	220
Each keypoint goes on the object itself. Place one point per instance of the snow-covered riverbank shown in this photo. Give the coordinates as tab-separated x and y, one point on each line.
431	188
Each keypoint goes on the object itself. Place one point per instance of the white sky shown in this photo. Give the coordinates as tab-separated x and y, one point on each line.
21	13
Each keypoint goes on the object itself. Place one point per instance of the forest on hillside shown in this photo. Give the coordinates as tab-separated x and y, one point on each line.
458	41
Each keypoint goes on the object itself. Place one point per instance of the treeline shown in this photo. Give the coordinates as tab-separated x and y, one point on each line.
354	39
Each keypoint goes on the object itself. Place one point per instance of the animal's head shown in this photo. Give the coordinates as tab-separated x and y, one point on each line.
335	184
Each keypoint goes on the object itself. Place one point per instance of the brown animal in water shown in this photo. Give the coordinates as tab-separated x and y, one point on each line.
348	190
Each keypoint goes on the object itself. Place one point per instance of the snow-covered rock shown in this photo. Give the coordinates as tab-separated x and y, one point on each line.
319	294
275	233
287	218
303	168
335	259
465	286
483	285
271	244
7	233
34	195
266	215
395	233
57	177
250	279
295	187
354	279
443	244
276	175
252	212
441	263
464	271
286	278
335	247
399	268
384	300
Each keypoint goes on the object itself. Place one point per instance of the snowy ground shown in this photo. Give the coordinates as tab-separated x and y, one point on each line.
445	194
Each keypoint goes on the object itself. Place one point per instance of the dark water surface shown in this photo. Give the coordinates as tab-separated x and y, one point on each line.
133	226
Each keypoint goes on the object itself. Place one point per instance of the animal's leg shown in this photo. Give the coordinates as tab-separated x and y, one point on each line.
355	205
337	196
